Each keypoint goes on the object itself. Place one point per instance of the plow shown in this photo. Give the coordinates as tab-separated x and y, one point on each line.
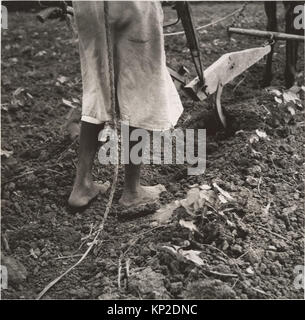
209	81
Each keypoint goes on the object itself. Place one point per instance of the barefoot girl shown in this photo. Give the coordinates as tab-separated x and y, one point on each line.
146	95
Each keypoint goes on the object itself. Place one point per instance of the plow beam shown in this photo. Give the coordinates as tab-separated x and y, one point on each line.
266	34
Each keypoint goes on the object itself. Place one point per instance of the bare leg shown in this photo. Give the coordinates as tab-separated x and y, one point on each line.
85	189
135	194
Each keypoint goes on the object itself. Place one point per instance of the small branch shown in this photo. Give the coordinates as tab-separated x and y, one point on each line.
127	273
63	153
19	176
119	273
258	186
69	257
220	274
273	233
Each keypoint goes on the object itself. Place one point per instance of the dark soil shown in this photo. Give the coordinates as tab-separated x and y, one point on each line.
260	245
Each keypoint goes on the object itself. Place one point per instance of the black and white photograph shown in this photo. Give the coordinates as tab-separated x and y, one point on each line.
152	150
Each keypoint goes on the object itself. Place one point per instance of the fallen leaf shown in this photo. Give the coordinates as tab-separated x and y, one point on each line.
196	199
295	89
222	198
253	138
6	153
275	92
33	254
18	91
278	100
205	187
290	96
223	192
41	53
261	134
62	79
75	100
164	214
188	224
192	255
68	103
291	110
250	270
4	107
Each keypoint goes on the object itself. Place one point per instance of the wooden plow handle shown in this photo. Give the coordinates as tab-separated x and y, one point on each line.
185	14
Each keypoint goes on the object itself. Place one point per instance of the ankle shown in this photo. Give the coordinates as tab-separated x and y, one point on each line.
84	182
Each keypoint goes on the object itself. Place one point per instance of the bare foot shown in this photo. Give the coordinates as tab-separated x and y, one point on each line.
142	196
82	195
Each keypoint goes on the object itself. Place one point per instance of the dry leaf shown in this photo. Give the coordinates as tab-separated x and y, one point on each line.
250	270
68	103
222	199
261	134
278	100
41	53
223	192
164	214
188	224
291	110
6	153
196	199
205	187
192	255
290	96
275	92
62	79
253	138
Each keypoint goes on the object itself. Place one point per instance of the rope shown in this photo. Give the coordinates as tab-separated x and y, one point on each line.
116	170
209	24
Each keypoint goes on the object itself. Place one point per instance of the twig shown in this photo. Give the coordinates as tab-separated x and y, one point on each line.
243	254
215	248
141	234
267	110
19	176
258	185
127	273
68	257
63	153
255	289
90	233
261	292
234	284
239	83
220	274
55	171
273	233
5	243
119	273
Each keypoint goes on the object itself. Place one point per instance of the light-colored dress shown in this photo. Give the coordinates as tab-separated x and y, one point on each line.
146	94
